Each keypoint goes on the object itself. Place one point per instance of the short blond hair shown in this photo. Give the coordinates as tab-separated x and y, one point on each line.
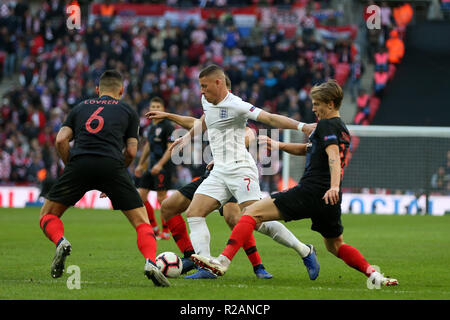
327	92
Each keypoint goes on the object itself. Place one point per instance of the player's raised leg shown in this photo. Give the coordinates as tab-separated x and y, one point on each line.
253	216
53	228
353	258
281	234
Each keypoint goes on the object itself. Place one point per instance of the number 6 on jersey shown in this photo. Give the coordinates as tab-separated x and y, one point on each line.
93	117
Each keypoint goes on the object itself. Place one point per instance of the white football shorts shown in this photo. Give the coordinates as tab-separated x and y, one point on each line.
240	182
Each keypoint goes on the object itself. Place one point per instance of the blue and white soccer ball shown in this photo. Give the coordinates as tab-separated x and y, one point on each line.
169	264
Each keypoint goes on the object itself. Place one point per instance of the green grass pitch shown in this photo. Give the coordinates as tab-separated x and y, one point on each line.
413	249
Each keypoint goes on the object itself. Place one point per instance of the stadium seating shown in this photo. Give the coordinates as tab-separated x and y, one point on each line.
58	68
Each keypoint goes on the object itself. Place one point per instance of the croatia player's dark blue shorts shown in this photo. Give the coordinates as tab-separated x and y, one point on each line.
92	172
299	203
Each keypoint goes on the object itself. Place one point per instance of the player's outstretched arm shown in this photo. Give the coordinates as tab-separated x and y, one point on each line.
62	146
130	151
184	121
282	122
297	149
199	127
334	162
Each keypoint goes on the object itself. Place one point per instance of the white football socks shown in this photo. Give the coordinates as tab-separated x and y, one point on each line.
278	232
200	236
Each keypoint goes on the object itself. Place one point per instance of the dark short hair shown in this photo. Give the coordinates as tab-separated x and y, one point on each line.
157	100
110	80
212	68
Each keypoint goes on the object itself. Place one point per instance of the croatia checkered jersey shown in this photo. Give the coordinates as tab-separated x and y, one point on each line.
226	123
317	171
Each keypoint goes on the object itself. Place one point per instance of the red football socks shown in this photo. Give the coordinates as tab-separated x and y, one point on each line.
251	251
240	235
151	215
165	227
177	226
52	227
355	259
146	241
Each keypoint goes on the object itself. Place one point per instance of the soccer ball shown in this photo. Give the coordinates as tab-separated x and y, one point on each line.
169	264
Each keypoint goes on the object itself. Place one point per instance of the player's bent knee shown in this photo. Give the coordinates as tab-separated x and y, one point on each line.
232	220
232	214
332	249
167	210
258	218
195	213
251	211
229	223
174	205
143	193
52	207
333	245
192	213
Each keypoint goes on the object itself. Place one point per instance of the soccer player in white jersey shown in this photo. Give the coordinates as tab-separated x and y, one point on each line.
235	172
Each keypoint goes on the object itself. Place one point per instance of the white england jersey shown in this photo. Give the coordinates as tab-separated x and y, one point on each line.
226	123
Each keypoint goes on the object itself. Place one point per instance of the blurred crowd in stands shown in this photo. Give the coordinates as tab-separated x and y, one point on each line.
59	68
386	49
